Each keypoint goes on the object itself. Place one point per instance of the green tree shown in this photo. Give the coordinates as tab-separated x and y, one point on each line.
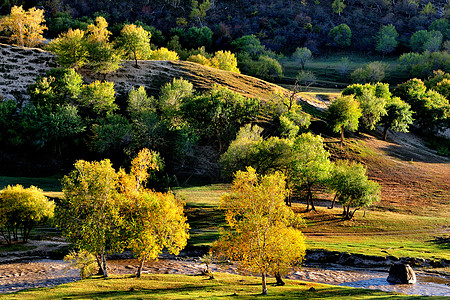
341	35
302	55
26	27
344	113
171	98
398	117
423	40
89	213
353	188
310	166
371	72
98	97
225	60
338	6
70	48
441	25
199	11
428	9
134	41
262	237
386	39
153	221
21	209
102	57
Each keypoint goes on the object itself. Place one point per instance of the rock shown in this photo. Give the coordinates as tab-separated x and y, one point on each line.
401	274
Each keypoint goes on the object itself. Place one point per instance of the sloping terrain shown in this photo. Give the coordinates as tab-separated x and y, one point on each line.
19	67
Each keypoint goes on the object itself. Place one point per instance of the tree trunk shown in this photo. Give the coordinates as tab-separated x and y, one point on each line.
99	263
280	281
385	133
310	196
334	200
141	266
342	136
264	283
103	256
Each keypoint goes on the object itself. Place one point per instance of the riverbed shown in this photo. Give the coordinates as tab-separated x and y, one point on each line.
46	273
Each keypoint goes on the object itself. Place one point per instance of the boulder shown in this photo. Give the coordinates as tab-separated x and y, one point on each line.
401	274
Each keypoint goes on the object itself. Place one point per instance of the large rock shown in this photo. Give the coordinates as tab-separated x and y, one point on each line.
401	274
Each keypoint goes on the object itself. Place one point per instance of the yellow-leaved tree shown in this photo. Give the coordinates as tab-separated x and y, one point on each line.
152	221
26	27
263	236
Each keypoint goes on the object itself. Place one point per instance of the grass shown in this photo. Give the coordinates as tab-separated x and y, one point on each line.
225	286
202	212
16	247
48	184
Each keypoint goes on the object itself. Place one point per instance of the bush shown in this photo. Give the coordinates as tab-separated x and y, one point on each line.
163	54
372	72
422	65
21	209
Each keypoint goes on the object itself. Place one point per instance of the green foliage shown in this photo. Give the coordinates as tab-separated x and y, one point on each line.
341	35
442	25
199	11
305	79
111	135
134	41
70	48
139	103
310	166
428	9
261	235
423	40
386	39
84	261
372	72
60	87
219	113
344	113
302	55
21	209
338	6
422	65
264	67
89	212
372	100
398	116
249	44
98	97
432	110
353	188
171	98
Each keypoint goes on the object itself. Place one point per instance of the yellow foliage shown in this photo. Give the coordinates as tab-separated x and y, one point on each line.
26	27
99	32
163	54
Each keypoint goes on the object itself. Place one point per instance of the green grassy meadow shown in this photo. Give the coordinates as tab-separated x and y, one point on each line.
224	286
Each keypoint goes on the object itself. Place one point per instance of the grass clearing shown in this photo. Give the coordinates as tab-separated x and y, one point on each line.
47	184
225	286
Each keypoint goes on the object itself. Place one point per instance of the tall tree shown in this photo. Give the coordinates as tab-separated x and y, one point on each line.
89	212
386	39
70	48
302	55
344	113
153	221
310	165
341	35
338	6
353	188
398	117
262	235
134	41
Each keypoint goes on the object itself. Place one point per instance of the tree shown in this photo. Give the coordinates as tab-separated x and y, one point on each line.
310	165
352	187
372	105
261	235
26	26
341	35
134	41
199	11
70	48
398	117
163	54
423	40
371	72
89	212
153	221
306	78
344	113
102	57
338	6
386	39
98	97
21	209
225	60
302	55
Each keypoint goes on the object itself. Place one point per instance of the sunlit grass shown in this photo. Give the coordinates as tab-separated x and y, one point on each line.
224	286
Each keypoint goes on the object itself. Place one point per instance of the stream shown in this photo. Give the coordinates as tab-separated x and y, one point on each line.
46	273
